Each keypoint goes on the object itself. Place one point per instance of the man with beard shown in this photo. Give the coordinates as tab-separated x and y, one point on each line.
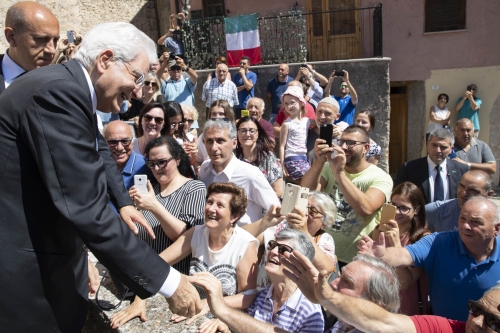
358	188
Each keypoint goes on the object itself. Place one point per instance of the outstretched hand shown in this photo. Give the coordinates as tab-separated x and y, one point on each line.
213	287
368	246
186	300
130	216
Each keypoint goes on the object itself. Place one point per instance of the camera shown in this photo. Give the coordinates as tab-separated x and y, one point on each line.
294	195
469	88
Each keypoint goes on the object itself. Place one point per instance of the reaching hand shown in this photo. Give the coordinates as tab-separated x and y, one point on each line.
94	282
130	216
205	309
391	230
368	246
186	300
213	287
136	309
273	216
212	326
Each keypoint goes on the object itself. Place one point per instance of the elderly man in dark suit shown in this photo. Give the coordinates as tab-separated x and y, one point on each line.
53	194
436	175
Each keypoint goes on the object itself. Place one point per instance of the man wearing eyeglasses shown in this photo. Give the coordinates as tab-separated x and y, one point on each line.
468	107
461	264
358	188
118	135
178	88
347	96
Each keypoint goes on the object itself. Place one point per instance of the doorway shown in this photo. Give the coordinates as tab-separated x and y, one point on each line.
398	137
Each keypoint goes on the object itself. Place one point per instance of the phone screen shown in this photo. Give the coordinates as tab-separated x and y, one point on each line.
326	133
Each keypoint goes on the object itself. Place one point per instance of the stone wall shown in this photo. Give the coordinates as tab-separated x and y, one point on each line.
81	15
370	78
495	137
416	120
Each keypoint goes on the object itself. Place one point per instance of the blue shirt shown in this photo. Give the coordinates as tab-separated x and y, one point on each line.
244	95
454	275
298	314
174	46
136	165
466	111
443	215
276	89
347	109
180	91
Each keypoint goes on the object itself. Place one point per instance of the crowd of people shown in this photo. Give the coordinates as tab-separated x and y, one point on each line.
208	232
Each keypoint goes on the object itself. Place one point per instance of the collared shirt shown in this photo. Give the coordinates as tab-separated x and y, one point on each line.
260	194
466	111
298	314
443	215
10	69
93	95
214	90
479	152
432	176
136	165
347	109
180	91
244	95
454	275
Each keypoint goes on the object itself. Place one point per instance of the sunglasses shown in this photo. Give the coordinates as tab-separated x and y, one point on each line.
153	84
160	163
173	125
343	86
492	321
124	142
148	118
282	248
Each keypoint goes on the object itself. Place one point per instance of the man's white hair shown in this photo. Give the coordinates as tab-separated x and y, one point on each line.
124	39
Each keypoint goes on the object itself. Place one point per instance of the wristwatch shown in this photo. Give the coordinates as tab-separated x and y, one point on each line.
187	69
468	164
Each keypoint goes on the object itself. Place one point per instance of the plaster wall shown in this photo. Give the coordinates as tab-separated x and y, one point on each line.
81	15
416	129
415	54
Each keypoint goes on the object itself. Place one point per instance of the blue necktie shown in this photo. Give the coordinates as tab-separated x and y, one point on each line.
438	185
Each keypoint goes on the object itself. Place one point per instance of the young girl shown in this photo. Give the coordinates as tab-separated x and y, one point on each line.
293	135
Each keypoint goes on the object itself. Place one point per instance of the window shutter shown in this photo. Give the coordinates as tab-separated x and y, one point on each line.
444	15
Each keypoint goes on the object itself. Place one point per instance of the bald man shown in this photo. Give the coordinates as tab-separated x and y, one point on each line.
32	32
118	135
275	88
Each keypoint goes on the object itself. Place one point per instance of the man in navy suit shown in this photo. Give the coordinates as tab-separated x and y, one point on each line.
423	172
55	186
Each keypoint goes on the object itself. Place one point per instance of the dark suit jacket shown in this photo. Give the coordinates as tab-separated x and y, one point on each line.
53	199
2	79
417	172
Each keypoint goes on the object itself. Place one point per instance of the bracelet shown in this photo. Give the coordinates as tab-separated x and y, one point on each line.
187	69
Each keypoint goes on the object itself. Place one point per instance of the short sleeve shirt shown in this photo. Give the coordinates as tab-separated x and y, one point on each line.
347	109
244	95
466	111
349	226
479	152
276	89
180	91
435	324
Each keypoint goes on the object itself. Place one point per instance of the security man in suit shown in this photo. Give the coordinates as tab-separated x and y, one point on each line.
436	175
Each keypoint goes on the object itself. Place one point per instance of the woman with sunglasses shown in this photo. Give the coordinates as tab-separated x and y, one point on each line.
219	246
172	206
150	93
408	227
153	122
255	147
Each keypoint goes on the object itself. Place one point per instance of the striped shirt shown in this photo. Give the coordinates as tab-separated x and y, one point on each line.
298	314
214	90
187	203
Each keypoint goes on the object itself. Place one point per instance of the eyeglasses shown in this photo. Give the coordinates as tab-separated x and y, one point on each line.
148	118
351	143
160	163
491	321
137	74
282	248
146	83
314	212
252	131
402	209
174	125
125	142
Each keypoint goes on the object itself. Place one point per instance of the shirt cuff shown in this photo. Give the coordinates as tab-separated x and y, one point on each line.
171	283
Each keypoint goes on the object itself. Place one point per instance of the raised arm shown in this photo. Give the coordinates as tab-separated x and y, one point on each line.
352	91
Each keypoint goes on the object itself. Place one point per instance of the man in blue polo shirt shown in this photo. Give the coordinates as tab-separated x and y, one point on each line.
275	89
245	81
461	265
118	135
347	97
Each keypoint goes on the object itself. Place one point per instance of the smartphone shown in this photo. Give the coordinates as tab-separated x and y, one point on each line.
71	36
304	65
339	73
245	113
388	213
469	88
326	133
141	183
294	195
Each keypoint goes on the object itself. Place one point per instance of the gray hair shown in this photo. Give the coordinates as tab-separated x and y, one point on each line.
192	109
221	125
442	133
260	100
490	203
488	181
382	287
327	206
299	241
124	39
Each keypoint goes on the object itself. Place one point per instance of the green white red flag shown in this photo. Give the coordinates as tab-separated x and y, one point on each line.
242	38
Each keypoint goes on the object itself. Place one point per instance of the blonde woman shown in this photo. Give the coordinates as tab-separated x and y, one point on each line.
150	93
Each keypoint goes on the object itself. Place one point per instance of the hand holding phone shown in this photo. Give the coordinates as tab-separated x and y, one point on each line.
339	73
294	195
469	88
71	36
326	133
141	183
388	213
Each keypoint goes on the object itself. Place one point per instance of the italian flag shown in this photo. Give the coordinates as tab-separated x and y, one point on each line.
242	38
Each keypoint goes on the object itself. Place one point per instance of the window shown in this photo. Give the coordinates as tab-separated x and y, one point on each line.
213	8
444	15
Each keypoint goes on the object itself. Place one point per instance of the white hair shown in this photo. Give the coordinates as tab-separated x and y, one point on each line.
124	39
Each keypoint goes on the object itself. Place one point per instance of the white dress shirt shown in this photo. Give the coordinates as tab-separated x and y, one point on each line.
10	69
444	177
174	277
260	194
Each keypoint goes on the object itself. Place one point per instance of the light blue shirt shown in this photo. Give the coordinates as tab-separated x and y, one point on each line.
466	111
180	91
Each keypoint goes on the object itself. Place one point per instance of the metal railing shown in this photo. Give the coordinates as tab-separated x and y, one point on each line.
294	36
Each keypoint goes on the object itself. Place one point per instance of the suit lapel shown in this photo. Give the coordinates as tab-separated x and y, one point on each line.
424	171
2	79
